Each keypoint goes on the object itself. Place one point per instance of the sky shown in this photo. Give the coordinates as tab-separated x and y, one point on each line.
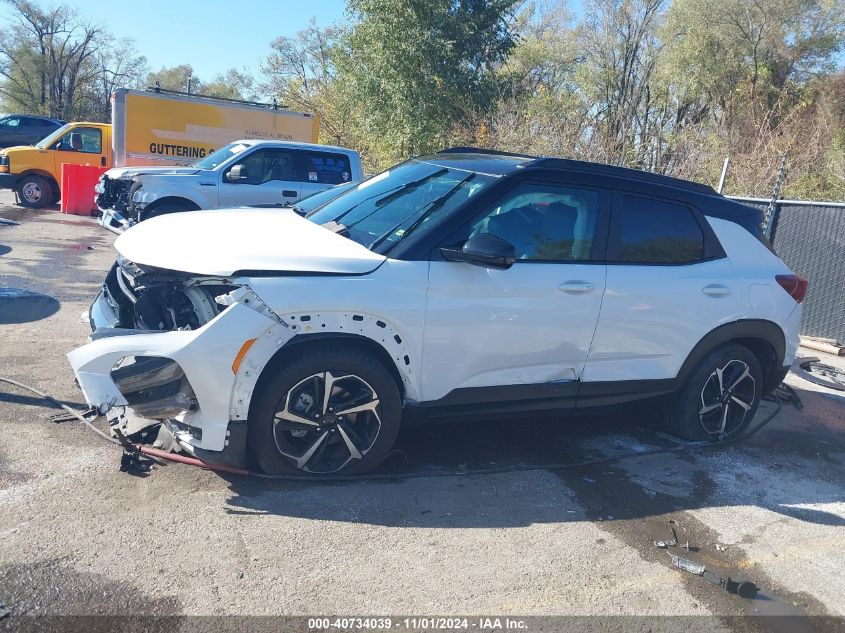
210	35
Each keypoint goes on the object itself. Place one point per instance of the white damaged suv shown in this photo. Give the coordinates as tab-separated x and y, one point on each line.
464	283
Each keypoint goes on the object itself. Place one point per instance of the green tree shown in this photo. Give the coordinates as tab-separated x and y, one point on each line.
46	58
300	72
233	84
423	71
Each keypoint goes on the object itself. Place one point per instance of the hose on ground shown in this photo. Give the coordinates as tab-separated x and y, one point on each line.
225	468
61	405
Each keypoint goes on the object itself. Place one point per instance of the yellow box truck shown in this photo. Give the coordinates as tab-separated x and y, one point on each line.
149	127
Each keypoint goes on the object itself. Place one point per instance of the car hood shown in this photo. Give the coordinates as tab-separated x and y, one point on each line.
131	172
15	148
225	241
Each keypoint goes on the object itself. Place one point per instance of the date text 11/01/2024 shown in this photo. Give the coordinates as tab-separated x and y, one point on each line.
417	623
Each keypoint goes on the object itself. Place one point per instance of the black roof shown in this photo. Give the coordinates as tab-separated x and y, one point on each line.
599	169
707	199
494	164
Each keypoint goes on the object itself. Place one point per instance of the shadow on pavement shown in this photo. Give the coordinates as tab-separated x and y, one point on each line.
25	306
781	469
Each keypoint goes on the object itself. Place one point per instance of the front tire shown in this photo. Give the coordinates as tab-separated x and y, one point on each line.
327	412
720	397
34	192
166	207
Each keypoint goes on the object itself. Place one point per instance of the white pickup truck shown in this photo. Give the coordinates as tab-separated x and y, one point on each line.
247	172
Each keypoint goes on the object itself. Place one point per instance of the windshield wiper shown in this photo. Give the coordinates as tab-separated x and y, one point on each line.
409	186
425	212
390	195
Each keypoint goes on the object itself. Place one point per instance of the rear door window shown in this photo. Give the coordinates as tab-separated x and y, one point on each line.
651	231
326	168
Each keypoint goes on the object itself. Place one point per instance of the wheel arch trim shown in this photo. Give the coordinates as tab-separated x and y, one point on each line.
299	329
38	172
153	204
738	331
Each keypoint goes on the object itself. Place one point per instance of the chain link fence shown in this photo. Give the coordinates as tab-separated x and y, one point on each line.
810	238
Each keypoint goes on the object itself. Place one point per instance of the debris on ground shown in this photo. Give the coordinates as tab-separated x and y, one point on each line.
589	480
786	394
820	344
673	542
91	414
813	370
670	543
5	222
742	588
3	611
721	548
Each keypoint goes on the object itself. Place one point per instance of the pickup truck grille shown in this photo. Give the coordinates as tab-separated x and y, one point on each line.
115	194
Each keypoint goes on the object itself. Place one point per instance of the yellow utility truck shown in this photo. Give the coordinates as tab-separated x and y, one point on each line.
149	127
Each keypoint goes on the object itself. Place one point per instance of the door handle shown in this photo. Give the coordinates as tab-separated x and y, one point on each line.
716	290
102	161
289	193
576	287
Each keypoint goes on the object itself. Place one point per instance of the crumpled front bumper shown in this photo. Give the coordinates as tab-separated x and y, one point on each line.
205	356
114	221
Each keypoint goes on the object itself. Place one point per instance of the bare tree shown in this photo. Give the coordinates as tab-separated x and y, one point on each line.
45	57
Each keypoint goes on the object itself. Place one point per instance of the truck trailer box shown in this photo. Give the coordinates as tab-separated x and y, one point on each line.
149	127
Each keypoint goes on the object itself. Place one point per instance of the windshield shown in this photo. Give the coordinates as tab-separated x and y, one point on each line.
220	156
385	209
310	203
48	140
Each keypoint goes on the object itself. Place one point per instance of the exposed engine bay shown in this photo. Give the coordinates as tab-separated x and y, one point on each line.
148	298
116	193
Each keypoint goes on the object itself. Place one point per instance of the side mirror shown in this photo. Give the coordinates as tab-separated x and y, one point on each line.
236	173
485	250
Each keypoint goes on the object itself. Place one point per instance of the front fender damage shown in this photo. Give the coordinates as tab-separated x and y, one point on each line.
183	379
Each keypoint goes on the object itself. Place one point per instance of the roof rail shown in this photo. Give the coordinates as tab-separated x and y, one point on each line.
158	89
624	172
593	168
481	150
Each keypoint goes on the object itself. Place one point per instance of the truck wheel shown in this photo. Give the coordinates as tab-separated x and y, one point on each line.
329	412
721	396
166	207
34	192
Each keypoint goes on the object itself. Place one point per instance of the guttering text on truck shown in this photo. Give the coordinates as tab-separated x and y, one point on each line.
149	128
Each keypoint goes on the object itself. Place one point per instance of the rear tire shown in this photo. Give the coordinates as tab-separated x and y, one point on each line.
294	428
720	396
34	192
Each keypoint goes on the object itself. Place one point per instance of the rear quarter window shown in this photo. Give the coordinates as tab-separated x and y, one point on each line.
651	231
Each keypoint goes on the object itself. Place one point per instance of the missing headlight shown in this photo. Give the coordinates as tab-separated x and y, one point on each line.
155	387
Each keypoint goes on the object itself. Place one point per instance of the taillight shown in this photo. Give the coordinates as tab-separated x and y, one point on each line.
795	285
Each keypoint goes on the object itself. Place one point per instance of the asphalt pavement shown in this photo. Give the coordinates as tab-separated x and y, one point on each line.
80	538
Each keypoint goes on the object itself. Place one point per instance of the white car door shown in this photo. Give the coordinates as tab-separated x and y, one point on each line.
668	285
266	175
495	335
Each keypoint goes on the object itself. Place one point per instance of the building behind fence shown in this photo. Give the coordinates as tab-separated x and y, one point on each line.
810	238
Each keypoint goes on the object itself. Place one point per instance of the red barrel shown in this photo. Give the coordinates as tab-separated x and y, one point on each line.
78	182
